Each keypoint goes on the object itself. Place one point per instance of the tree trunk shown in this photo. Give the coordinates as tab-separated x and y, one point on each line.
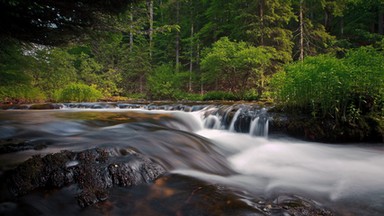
326	19
301	17
177	36
131	30
198	69
261	8
381	23
191	60
150	30
342	26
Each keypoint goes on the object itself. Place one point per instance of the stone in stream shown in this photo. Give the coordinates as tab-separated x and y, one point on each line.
94	171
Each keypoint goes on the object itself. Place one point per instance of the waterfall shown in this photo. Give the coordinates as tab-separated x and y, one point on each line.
254	126
234	119
260	123
246	119
239	118
212	121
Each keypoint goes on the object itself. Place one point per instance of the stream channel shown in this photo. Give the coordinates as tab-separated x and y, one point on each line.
219	160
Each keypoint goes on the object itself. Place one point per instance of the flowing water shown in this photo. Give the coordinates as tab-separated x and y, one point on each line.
227	148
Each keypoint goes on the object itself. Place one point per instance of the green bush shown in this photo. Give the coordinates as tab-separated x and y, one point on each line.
165	82
235	65
189	96
77	92
250	95
219	95
327	86
20	94
136	96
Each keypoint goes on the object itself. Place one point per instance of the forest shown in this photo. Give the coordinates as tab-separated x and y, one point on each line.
306	53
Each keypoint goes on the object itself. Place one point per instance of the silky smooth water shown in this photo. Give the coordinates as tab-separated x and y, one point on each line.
348	179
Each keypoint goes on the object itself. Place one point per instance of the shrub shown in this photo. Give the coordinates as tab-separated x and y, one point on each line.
165	82
338	88
189	96
219	95
20	94
77	92
251	95
235	65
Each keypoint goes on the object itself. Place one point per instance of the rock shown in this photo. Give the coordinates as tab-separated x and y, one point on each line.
15	145
41	172
296	205
328	130
94	171
45	106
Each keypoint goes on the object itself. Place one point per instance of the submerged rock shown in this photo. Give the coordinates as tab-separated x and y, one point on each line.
296	205
94	171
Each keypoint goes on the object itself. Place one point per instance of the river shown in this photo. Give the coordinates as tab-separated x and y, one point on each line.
205	159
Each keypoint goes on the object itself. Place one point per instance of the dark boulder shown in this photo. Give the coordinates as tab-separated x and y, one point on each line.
368	128
94	171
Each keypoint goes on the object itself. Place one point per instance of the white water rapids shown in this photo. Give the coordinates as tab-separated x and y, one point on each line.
352	174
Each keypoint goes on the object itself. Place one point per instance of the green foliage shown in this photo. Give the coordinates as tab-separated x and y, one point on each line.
165	83
13	64
190	96
136	96
77	92
226	46
219	95
20	94
265	23
135	68
15	80
235	66
251	95
326	86
54	69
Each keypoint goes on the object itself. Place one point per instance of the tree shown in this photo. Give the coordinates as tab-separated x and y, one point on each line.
165	82
235	66
55	22
15	77
135	68
54	70
150	29
311	37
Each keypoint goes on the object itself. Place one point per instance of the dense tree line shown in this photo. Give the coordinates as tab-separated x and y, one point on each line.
172	49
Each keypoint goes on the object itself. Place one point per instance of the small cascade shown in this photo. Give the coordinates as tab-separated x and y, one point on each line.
266	128
239	118
234	119
254	125
213	122
244	119
259	127
260	124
